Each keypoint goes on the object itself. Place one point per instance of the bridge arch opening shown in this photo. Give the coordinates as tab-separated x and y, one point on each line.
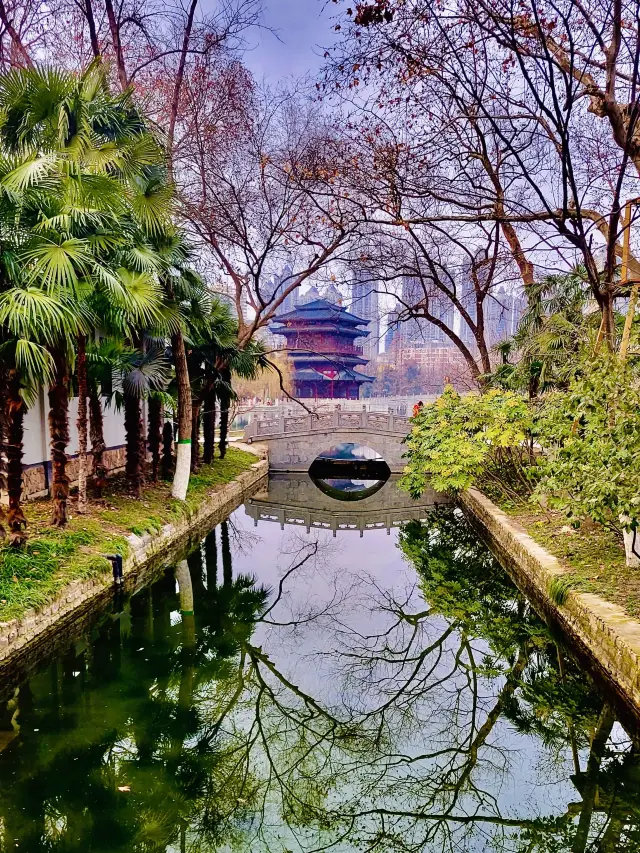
349	471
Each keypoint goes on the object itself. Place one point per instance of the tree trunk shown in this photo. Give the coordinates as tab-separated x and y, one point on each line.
15	411
195	436
608	319
114	27
91	23
211	556
59	432
133	428
16	41
98	446
225	401
183	720
183	455
3	444
225	546
167	451
83	462
154	436
175	100
590	784
209	425
631	539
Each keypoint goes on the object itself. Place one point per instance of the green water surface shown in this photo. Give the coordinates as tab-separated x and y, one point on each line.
390	692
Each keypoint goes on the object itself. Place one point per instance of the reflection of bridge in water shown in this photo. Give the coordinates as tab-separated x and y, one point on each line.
293	499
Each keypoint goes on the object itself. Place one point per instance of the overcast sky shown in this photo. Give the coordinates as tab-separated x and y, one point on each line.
303	28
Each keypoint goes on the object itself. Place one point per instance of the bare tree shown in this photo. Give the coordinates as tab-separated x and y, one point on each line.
266	200
532	83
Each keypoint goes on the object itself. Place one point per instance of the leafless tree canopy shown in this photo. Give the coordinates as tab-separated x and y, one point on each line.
523	116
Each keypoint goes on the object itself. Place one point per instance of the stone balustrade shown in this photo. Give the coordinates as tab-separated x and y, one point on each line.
367	422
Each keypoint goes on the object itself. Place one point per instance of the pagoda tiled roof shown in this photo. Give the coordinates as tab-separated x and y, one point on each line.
308	374
328	357
321	309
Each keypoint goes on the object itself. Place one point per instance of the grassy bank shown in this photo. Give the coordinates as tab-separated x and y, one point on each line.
32	576
592	555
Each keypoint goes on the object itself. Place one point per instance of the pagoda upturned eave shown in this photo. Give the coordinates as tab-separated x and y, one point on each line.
313	329
310	374
323	357
321	309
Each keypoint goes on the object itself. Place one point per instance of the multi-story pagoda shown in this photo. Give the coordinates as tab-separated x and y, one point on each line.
321	340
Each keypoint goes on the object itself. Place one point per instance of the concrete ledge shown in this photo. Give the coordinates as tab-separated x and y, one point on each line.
610	638
147	553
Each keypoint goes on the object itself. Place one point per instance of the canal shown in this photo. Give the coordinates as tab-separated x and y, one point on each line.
321	673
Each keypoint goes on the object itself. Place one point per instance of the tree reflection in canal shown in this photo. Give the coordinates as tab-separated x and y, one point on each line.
335	710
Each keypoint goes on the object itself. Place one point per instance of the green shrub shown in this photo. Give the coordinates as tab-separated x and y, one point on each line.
459	441
591	437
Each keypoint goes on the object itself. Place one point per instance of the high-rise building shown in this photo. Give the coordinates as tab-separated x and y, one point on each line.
418	331
392	331
332	294
309	296
277	285
502	312
502	309
365	304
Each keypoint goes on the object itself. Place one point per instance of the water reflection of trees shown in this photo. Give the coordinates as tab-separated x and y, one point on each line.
176	730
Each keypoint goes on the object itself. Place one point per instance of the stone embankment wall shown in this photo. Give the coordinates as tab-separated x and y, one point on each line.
610	637
146	554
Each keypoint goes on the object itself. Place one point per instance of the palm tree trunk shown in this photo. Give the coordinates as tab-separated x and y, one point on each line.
3	445
195	435
209	425
133	428
15	411
59	433
155	435
183	454
83	463
167	451
98	446
225	401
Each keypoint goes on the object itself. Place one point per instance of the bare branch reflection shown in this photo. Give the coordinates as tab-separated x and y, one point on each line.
428	709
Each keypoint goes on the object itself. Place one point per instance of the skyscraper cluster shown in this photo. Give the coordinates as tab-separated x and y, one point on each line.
365	304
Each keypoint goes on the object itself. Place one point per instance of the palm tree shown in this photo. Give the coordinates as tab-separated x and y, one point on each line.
245	363
147	372
213	357
80	153
210	336
33	325
549	334
137	371
186	294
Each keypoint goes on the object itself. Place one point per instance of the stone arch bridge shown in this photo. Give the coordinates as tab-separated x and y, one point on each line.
294	442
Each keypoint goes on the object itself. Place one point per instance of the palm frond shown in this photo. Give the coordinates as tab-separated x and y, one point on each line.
33	314
36	366
59	265
30	172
